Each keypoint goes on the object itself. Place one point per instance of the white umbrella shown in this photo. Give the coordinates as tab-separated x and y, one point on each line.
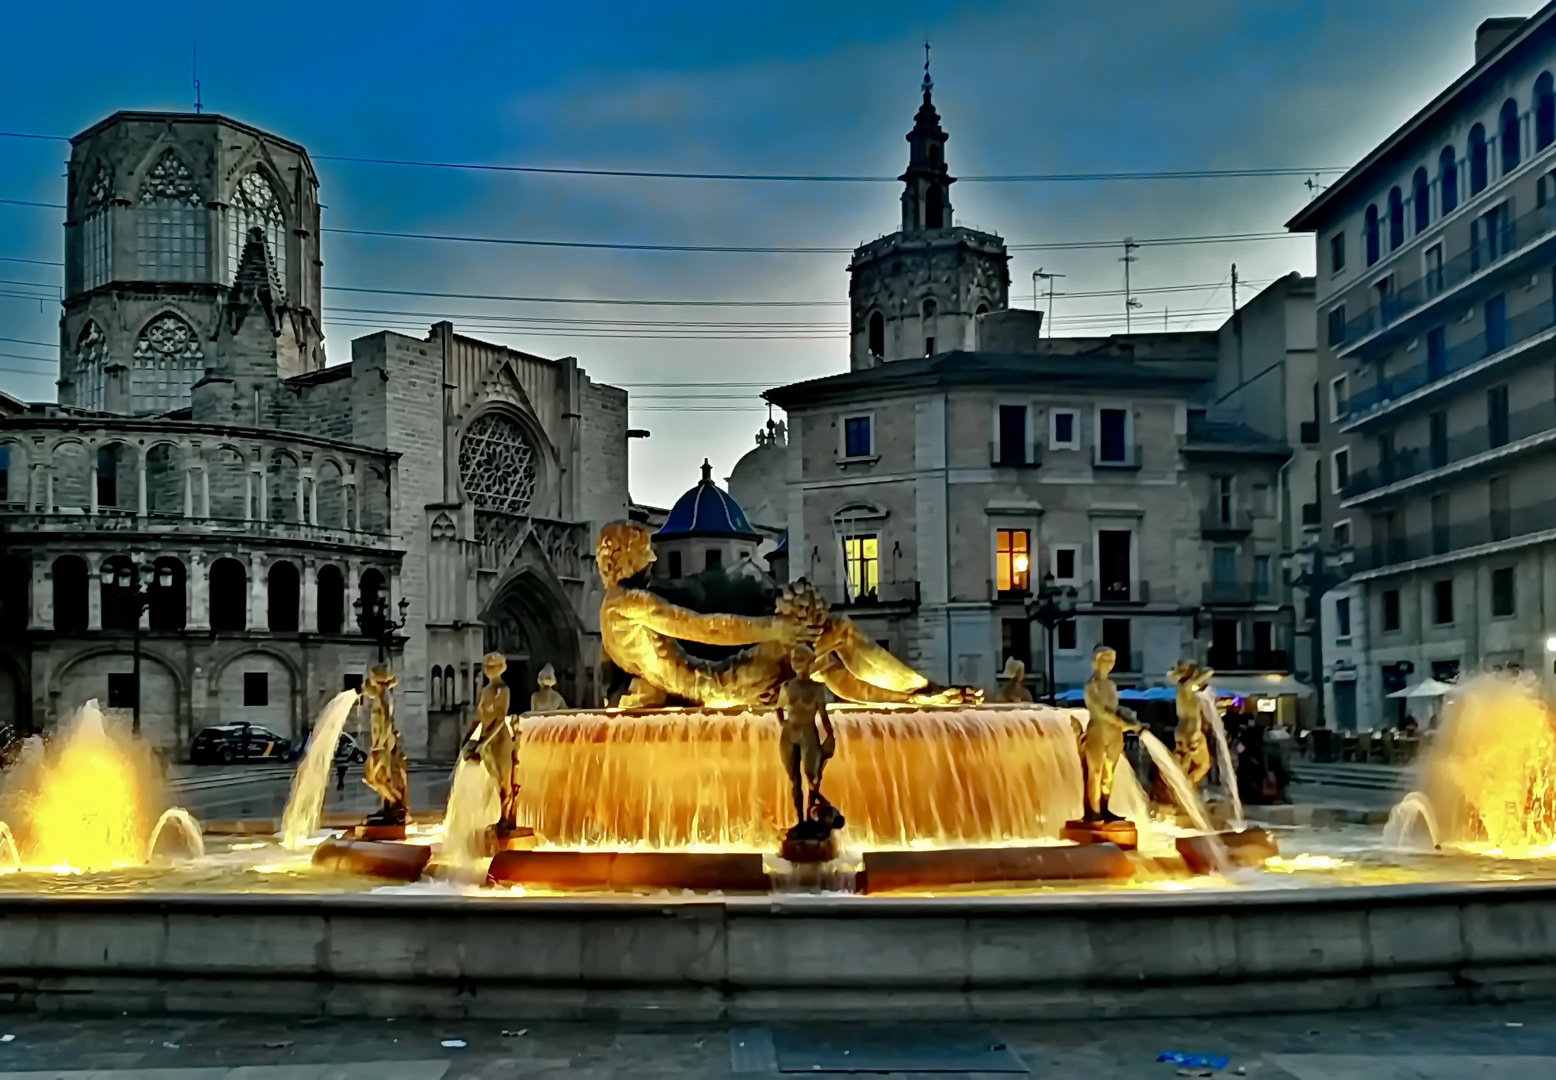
1426	688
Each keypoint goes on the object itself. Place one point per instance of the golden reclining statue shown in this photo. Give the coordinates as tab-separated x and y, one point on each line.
641	633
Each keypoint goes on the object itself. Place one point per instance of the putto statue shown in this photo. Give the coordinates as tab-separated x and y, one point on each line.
802	701
1013	683
1190	746
491	741
387	771
641	633
1104	739
546	698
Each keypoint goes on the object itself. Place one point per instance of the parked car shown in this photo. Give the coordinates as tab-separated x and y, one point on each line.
227	743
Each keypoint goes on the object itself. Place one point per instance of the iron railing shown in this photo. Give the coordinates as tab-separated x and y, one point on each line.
1496	526
1411	461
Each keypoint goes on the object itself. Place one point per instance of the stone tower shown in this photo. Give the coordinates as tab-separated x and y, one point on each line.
918	291
160	206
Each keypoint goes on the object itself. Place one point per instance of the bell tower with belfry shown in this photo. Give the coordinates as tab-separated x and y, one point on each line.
919	291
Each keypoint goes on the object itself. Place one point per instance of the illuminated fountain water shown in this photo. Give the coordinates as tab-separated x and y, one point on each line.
305	803
472	807
1212	717
1488	783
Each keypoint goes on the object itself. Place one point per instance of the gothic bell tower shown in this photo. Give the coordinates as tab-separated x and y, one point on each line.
919	291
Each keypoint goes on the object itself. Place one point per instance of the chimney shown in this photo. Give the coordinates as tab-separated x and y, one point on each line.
1494	32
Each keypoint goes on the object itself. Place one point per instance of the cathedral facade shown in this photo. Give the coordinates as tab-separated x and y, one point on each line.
212	505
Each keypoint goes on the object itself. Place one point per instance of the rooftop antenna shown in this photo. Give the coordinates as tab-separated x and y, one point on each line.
1038	273
1130	303
194	72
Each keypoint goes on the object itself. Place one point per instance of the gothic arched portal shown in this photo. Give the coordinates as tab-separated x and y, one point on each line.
531	623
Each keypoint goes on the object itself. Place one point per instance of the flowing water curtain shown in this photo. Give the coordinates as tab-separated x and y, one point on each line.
171	223
255	206
497	465
168	362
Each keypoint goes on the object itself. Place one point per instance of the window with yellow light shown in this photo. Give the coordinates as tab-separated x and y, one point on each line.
862	561
1013	560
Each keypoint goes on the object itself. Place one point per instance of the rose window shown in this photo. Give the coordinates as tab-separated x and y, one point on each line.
497	465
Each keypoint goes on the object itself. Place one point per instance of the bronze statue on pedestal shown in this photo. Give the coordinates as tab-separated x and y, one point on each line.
492	741
546	698
1104	739
641	633
387	771
1013	683
802	701
1190	746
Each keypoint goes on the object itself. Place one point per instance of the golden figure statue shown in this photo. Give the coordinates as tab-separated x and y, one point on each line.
802	701
641	633
387	771
546	698
1013	684
491	741
1190	746
1103	741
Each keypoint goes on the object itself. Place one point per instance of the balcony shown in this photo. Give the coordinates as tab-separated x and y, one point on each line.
1312	515
1013	457
1522	430
1408	298
1308	430
1237	593
1495	527
15	520
1229	660
886	594
1218	524
1117	592
1131	459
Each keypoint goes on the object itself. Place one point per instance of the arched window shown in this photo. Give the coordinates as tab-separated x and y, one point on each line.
929	308
450	693
369	589
332	599
282	591
255	206
168	362
496	467
1477	159
1421	197
91	366
934	208
113	464
70	593
170	223
1371	231
1544	111
981	309
1448	180
229	596
1507	127
169	601
120	594
1396	218
97	231
877	334
15	591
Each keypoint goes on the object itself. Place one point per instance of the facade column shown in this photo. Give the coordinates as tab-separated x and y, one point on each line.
41	611
91	479
188	491
198	578
263	511
248	496
308	617
140	487
302	515
94	592
259	614
205	492
350	489
48	490
38	487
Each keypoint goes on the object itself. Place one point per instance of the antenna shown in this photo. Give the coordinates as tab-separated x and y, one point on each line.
1234	288
1130	303
928	82
194	71
1038	273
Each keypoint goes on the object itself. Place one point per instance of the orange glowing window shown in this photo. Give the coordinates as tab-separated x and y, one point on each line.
1013	560
862	560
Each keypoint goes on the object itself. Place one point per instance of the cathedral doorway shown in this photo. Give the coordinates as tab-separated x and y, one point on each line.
531	623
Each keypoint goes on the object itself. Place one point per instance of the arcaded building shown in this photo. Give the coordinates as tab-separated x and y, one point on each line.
210	491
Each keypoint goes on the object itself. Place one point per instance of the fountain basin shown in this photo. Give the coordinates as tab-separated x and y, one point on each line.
788	958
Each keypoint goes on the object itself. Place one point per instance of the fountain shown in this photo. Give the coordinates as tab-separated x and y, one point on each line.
305	804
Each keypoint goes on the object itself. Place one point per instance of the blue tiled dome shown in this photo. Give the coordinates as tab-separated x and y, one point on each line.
707	510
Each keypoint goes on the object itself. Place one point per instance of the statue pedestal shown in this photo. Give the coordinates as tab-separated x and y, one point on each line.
809	850
1121	834
518	838
365	831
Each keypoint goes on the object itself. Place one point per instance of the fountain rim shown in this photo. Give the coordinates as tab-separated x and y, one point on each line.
1207	901
833	707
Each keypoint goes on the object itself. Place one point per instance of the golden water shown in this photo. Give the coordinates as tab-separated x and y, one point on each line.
472	806
88	803
711	780
1489	778
1212	718
305	803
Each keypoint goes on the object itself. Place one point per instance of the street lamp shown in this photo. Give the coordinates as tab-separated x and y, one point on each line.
135	582
1053	606
374	621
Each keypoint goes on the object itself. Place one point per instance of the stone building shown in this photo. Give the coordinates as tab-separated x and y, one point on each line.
932	496
1436	338
240	522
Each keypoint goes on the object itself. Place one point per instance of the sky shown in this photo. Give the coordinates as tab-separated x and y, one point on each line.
815	87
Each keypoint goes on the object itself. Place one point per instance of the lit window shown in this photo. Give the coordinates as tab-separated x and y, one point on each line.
1012	560
856	437
255	206
862	563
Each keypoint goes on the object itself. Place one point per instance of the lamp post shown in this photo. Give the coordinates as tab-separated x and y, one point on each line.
374	621
135	582
1053	606
1317	571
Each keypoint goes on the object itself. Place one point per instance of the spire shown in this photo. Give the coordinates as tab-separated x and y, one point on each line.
926	196
251	286
707	472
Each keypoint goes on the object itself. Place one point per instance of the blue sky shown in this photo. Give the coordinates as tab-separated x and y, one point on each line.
807	87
